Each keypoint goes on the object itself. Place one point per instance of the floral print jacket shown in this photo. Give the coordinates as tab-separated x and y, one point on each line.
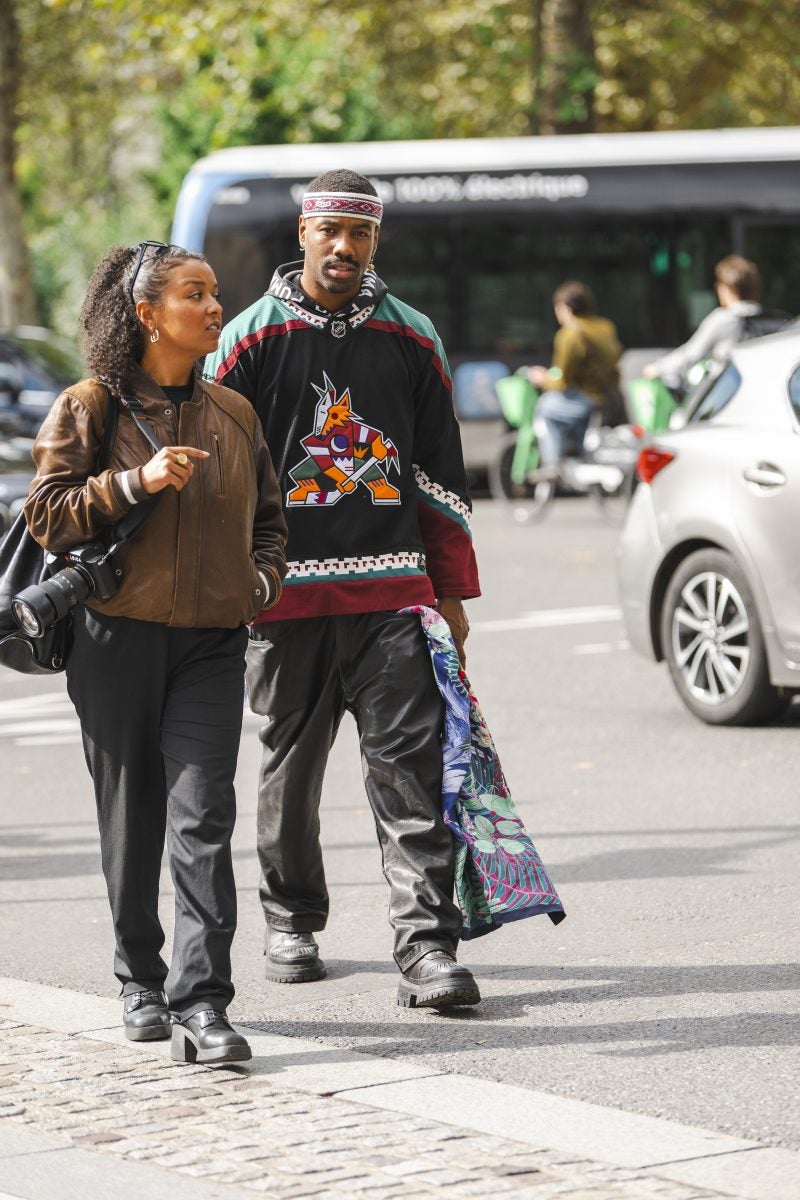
499	876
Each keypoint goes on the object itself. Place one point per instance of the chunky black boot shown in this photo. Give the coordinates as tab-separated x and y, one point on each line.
207	1037
146	1017
292	957
437	981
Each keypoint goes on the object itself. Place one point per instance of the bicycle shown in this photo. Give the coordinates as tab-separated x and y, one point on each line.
604	467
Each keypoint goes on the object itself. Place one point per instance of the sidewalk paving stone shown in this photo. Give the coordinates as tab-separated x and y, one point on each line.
252	1135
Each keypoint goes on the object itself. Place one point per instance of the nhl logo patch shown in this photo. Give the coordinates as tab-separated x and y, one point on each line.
338	328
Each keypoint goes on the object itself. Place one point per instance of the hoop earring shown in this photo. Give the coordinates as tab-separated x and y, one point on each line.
154	335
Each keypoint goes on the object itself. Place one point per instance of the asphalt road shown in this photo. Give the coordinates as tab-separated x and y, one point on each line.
672	988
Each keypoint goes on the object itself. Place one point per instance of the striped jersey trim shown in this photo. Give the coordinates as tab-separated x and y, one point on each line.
447	502
252	339
372	566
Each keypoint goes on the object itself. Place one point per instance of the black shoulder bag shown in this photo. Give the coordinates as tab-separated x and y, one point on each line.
23	564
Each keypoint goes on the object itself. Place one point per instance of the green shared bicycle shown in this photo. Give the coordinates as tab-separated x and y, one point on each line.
602	467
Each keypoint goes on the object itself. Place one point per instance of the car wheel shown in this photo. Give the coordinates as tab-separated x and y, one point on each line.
713	643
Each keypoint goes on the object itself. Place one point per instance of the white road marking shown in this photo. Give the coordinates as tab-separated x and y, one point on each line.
50	720
24	704
548	618
601	647
45	720
28	727
49	739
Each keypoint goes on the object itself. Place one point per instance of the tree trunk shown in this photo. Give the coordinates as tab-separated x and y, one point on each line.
537	63
16	294
567	67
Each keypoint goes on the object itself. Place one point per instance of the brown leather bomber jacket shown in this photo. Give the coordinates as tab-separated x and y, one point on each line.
210	556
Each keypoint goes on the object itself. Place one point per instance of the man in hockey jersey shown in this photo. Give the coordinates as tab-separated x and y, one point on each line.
353	390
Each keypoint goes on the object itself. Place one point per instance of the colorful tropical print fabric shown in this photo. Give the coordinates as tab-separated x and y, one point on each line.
499	875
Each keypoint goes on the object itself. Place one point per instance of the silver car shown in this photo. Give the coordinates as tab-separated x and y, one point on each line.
709	558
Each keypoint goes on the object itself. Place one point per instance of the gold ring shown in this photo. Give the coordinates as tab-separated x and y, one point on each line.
181	459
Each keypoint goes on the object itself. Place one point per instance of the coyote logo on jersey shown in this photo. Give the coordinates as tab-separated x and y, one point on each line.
342	452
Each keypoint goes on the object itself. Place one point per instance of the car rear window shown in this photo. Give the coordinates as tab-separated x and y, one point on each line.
719	393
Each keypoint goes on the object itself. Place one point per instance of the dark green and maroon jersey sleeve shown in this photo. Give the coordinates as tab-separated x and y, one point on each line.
443	502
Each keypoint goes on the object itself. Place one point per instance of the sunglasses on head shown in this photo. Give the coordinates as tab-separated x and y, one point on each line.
158	248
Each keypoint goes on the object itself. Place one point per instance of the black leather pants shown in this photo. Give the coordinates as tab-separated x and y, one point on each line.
161	716
301	676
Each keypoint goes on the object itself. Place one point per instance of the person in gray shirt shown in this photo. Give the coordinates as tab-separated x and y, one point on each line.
738	287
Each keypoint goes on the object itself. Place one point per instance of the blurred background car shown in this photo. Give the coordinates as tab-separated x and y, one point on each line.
16	473
35	366
709	558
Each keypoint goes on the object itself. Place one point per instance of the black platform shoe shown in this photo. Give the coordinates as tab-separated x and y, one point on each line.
292	957
146	1017
437	981
207	1037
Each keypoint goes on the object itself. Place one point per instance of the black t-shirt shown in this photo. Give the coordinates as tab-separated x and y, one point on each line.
177	395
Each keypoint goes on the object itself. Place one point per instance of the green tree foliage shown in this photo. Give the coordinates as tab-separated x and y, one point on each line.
116	98
16	299
688	65
85	133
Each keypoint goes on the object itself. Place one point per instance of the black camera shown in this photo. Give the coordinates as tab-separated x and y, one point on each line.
85	571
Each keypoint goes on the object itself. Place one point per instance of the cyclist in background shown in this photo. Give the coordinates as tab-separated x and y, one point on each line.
738	288
583	374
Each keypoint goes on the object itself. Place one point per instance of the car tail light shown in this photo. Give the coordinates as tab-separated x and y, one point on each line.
651	460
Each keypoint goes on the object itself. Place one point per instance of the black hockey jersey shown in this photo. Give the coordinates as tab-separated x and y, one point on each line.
358	416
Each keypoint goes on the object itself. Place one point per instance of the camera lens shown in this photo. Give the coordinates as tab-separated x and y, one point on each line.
26	617
42	604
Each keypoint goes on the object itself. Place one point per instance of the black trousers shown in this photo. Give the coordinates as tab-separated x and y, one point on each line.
301	676
161	717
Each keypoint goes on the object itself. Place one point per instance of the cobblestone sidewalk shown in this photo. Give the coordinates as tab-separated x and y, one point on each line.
252	1136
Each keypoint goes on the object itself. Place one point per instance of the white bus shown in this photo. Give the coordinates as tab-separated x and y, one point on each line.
478	233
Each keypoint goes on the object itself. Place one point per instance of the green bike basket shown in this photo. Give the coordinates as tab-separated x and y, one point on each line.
517	397
651	404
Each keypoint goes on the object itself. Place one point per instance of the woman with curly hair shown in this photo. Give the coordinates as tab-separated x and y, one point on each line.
156	670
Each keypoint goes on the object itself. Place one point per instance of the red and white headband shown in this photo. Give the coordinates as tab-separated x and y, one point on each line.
343	204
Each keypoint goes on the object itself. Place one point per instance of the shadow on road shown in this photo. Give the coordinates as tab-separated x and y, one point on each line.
508	1021
52	858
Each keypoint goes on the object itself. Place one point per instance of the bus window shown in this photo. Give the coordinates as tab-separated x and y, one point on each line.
512	271
242	267
414	259
776	249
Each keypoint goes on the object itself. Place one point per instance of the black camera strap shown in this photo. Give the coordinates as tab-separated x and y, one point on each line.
135	407
136	516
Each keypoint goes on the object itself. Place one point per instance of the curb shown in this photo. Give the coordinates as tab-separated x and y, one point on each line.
662	1149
